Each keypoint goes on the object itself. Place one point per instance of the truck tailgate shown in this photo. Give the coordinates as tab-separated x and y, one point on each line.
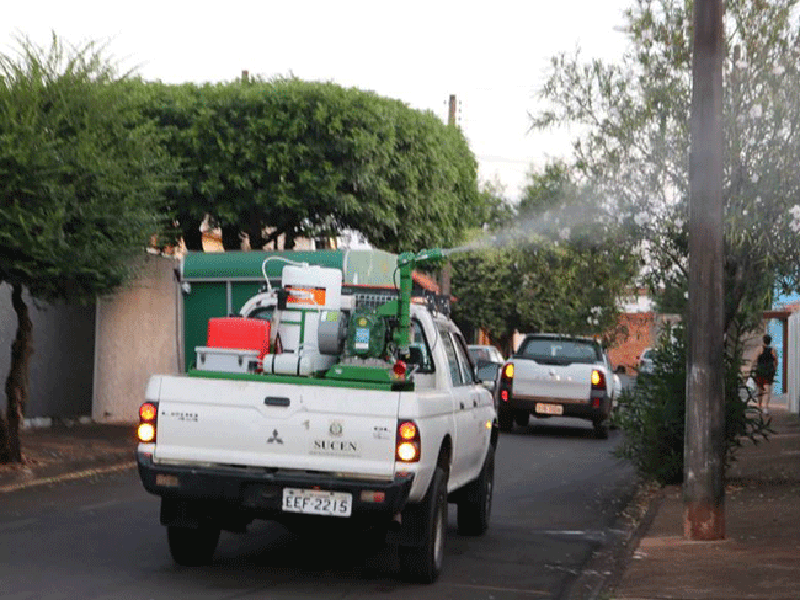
275	425
562	383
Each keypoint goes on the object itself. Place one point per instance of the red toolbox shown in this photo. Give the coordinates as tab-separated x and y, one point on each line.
239	333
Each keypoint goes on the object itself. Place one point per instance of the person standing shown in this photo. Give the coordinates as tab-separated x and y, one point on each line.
766	365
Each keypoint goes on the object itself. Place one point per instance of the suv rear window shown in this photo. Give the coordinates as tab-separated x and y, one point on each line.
560	350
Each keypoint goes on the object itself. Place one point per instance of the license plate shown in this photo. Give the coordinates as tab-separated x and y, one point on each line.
317	502
549	409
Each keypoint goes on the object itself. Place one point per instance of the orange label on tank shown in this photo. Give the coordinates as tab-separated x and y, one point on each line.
306	296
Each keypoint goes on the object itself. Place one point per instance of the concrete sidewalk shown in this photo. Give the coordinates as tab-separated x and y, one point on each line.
760	557
69	451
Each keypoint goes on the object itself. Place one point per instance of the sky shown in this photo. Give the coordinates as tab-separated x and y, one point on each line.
493	55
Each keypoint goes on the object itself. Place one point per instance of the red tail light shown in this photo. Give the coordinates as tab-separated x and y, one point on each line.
506	381
148	411
148	416
408	442
598	380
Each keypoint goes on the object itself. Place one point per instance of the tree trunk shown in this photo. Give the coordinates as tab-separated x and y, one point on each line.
255	231
272	238
231	239
506	343
17	381
192	236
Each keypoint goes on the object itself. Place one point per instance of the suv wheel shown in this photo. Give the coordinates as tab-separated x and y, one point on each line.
505	420
601	428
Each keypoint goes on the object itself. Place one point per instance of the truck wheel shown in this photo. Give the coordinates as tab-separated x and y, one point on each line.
192	547
505	420
476	503
522	418
601	428
423	563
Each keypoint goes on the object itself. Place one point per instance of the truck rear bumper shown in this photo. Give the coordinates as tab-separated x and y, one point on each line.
592	409
259	493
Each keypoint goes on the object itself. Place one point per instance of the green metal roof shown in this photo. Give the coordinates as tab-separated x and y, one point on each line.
366	267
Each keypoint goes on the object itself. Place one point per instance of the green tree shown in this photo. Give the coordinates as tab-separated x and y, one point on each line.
653	416
499	212
483	282
557	269
79	171
635	150
306	158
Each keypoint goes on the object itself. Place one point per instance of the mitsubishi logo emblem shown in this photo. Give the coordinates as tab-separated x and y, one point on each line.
275	439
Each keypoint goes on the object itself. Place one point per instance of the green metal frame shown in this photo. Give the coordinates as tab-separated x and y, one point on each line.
381	386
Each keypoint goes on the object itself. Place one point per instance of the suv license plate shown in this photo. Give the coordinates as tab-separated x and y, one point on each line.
317	502
549	409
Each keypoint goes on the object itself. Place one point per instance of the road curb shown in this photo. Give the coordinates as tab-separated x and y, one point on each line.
605	568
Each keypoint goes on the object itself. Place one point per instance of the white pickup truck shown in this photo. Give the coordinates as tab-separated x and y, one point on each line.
339	420
557	375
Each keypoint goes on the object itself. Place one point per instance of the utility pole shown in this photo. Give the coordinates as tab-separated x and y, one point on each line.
447	269
704	448
452	109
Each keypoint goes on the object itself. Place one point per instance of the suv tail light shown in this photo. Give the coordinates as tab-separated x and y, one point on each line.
148	417
506	381
598	381
408	443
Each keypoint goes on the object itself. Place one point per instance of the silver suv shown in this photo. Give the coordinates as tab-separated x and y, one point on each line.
646	361
485	353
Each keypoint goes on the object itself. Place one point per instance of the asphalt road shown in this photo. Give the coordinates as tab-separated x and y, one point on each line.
557	491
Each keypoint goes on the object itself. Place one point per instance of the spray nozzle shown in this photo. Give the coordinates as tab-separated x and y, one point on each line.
430	255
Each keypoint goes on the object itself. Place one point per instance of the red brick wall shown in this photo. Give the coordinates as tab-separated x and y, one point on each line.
634	333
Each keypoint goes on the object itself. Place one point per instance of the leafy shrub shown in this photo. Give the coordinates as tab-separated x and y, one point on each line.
652	415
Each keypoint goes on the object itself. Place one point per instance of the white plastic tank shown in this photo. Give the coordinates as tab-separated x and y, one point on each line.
314	286
312	289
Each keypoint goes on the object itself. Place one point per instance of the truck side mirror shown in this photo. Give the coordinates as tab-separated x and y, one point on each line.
486	372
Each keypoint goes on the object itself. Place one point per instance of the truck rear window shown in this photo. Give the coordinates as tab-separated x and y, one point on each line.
557	350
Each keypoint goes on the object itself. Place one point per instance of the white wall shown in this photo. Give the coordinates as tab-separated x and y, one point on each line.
60	384
136	337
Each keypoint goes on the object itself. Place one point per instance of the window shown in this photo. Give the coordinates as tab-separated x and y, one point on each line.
479	354
488	371
467	369
419	350
456	376
560	350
